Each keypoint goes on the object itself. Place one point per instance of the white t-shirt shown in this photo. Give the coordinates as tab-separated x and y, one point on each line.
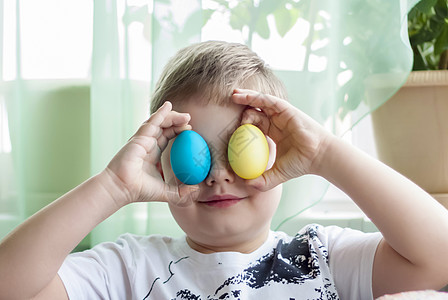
318	263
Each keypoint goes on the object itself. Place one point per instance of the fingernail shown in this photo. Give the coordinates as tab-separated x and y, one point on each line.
162	106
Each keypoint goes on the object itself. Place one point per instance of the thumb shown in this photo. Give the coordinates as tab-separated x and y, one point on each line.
182	195
268	180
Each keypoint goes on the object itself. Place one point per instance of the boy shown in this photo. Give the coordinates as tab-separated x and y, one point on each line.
228	251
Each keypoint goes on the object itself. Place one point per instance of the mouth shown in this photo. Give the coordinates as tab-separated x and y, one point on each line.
222	201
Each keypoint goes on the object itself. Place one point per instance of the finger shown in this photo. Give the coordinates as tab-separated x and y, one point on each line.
171	118
169	133
188	195
270	104
158	117
143	143
148	130
268	180
151	126
182	195
172	132
257	118
175	118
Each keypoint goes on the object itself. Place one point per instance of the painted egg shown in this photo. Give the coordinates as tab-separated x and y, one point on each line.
248	151
190	157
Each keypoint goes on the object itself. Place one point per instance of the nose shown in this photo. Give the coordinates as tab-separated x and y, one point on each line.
220	171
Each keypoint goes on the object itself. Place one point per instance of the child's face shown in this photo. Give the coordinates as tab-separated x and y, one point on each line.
225	223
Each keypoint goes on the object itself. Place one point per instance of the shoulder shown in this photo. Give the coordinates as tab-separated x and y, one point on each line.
335	237
330	236
114	268
339	244
129	248
316	233
140	246
144	241
347	253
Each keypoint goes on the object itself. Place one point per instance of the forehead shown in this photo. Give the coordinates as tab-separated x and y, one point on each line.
212	120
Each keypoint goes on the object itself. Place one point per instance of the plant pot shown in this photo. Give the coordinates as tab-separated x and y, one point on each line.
442	198
411	130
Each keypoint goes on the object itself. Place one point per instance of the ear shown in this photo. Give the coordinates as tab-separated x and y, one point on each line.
159	168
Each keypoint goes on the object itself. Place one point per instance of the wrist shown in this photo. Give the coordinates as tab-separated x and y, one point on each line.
112	186
324	156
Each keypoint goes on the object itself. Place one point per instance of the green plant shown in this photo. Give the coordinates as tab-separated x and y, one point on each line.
428	34
252	15
362	40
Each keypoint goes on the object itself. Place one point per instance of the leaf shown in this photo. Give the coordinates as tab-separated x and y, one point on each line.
431	60
236	22
355	95
412	13
267	7
285	19
240	15
424	35
224	3
206	16
441	43
419	60
262	27
282	21
136	14
436	27
425	6
441	9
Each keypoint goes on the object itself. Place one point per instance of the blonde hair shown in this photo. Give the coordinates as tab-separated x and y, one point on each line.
214	68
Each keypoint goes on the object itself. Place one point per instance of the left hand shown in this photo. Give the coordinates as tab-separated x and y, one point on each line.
134	169
300	140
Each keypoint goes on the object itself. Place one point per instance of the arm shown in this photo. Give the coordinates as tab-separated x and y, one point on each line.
32	254
413	224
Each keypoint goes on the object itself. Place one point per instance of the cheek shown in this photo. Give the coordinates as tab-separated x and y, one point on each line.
272	197
265	204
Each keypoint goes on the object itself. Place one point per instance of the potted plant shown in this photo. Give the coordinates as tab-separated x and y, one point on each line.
411	128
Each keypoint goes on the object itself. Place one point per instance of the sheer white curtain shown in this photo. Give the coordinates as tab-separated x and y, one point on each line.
76	80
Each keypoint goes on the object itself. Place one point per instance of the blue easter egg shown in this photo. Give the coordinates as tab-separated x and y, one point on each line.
190	157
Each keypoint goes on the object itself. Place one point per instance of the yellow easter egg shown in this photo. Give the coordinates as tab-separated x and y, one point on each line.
248	151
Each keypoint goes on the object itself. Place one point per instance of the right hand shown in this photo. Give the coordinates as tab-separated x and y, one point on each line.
134	168
301	142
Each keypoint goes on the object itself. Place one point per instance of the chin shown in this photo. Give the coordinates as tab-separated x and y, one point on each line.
228	236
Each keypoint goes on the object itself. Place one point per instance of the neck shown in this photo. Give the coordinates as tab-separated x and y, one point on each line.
246	246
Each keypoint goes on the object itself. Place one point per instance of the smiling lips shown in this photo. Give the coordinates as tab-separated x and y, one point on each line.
222	201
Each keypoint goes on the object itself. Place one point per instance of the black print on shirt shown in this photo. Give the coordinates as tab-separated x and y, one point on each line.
289	263
171	275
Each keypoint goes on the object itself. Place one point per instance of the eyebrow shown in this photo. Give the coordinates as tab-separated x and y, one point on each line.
229	128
